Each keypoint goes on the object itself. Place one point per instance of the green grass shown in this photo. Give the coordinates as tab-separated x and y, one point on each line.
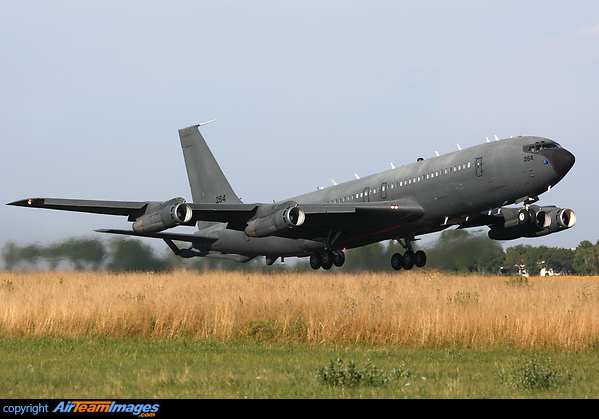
185	368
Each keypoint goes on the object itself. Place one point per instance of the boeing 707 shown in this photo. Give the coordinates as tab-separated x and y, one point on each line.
472	187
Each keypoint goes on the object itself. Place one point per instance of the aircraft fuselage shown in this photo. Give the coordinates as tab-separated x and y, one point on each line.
450	188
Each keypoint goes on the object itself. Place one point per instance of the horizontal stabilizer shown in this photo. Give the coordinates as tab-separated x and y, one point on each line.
194	238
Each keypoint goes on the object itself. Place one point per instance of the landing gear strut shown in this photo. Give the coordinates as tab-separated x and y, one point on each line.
409	258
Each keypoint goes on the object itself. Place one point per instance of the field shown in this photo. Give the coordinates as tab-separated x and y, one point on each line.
231	334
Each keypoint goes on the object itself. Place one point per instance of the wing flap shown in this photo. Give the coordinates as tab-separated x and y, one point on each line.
223	213
235	215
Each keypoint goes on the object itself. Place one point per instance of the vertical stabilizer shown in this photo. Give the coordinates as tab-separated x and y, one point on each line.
206	179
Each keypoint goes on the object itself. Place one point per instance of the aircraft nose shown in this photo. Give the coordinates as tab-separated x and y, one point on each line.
562	161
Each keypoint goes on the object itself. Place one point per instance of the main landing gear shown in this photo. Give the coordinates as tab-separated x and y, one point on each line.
409	258
327	259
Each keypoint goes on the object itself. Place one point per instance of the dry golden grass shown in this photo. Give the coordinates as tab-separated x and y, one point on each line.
415	309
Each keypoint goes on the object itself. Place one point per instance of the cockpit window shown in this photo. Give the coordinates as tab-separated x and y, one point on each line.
540	145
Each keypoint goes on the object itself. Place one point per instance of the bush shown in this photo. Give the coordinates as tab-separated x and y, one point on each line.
533	375
336	374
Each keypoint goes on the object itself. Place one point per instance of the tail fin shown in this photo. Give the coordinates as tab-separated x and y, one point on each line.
206	179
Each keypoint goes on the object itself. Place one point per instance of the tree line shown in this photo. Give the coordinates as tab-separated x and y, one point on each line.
457	251
117	255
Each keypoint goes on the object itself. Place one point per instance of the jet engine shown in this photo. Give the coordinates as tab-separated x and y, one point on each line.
533	221
276	218
162	216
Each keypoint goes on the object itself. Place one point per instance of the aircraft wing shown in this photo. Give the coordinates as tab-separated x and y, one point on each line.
131	209
318	216
320	219
135	209
356	217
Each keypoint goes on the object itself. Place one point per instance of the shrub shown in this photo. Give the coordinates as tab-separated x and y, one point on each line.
533	375
335	373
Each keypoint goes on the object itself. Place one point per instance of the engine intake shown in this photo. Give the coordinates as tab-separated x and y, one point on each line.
162	216
278	221
565	218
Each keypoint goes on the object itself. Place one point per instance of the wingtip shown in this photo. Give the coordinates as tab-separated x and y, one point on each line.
29	202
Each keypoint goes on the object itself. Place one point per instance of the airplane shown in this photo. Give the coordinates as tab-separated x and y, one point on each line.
471	187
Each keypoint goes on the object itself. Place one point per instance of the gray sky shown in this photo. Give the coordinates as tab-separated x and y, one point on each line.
93	93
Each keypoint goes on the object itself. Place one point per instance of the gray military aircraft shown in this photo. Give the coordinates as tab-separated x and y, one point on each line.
466	188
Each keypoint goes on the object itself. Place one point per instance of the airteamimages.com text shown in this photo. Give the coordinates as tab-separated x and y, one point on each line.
84	406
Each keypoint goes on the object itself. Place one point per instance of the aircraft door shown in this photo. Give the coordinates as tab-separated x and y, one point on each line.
384	190
479	166
366	194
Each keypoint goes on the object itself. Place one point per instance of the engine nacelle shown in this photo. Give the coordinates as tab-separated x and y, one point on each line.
163	216
532	222
564	218
280	220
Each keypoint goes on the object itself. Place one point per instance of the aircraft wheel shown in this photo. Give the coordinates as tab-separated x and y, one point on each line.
315	261
338	258
420	259
327	260
409	258
397	261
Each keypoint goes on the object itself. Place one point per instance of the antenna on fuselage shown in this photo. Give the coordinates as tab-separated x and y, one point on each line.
333	180
392	166
496	138
488	139
356	175
207	122
437	154
459	148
